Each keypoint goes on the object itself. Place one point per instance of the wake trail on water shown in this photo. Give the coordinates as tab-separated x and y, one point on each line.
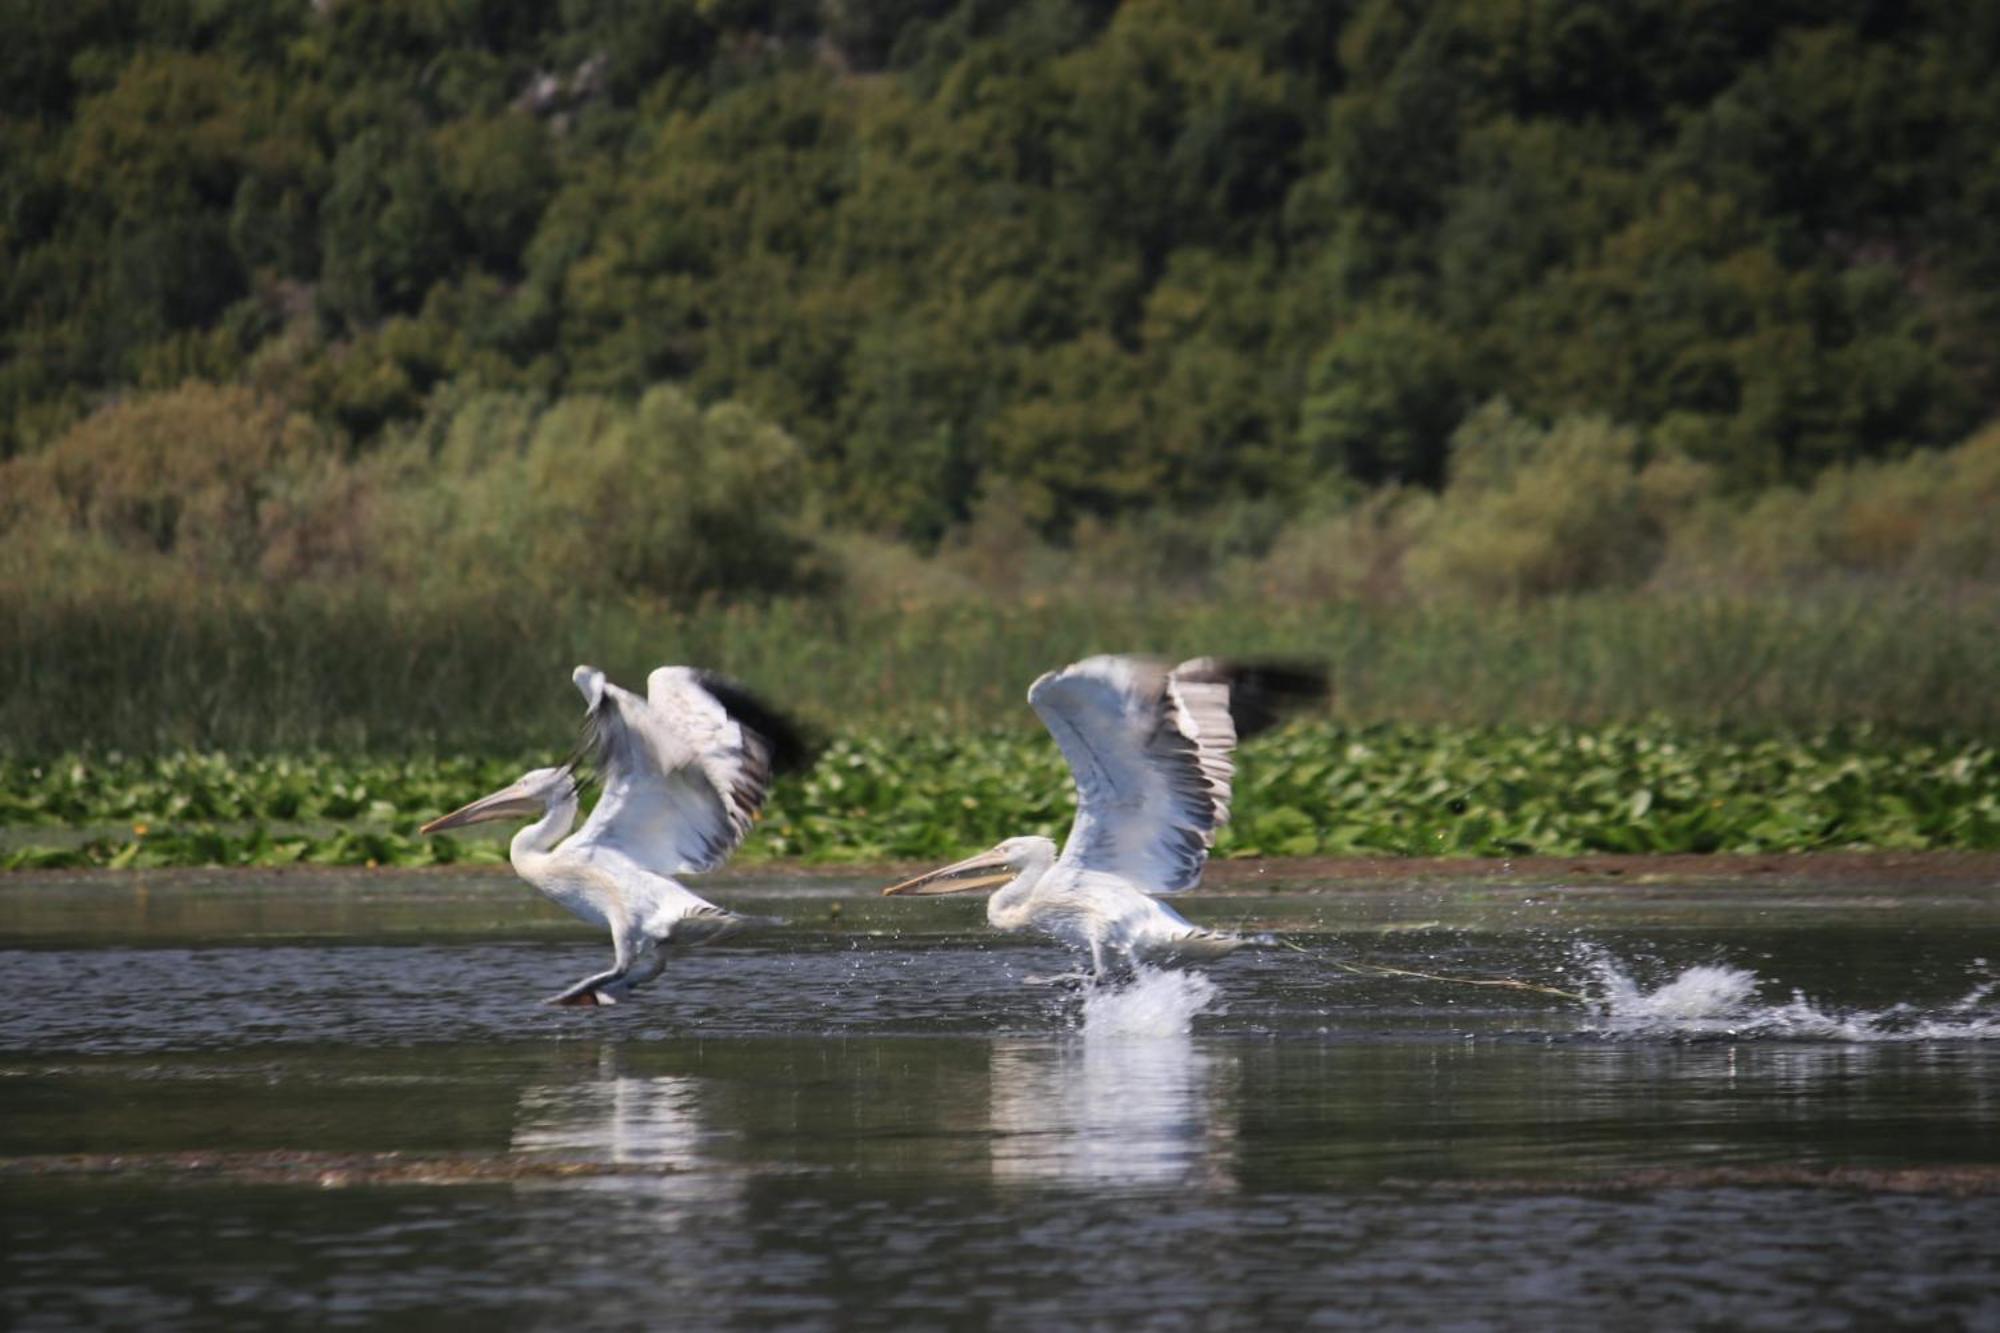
1152	1003
1713	999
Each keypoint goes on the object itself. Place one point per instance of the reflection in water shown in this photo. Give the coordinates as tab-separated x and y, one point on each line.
894	1136
629	1121
1119	1111
652	1121
1088	1109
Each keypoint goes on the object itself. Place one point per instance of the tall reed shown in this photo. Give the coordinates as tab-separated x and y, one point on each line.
374	671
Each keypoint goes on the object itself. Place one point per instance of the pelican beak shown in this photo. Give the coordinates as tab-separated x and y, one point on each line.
983	871
509	802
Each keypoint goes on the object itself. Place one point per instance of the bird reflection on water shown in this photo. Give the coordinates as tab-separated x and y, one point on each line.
1131	1100
621	1119
945	1147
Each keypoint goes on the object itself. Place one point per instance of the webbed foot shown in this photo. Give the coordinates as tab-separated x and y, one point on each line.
586	994
588	999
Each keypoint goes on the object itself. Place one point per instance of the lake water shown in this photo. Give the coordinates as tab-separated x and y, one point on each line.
334	1099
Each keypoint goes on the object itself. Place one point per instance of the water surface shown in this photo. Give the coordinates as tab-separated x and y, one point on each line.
234	1098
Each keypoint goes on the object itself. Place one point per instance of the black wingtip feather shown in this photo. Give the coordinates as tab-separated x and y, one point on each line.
586	759
1262	694
791	749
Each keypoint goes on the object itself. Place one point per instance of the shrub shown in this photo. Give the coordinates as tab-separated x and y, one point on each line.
1927	517
183	473
590	495
1532	512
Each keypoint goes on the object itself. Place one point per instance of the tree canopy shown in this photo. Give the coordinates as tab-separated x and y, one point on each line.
1099	257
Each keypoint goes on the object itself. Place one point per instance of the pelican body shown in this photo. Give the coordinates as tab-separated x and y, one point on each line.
1150	748
685	770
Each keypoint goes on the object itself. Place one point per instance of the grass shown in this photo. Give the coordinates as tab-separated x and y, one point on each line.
205	726
375	673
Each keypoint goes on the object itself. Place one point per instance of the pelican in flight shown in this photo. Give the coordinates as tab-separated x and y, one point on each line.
685	770
1149	746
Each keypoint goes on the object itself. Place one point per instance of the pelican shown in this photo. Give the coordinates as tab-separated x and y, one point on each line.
1149	747
685	770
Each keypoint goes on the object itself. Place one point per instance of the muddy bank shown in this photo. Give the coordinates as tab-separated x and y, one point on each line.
1312	874
1886	869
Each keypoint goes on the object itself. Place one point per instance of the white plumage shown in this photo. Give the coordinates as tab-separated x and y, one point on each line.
682	778
1151	750
685	771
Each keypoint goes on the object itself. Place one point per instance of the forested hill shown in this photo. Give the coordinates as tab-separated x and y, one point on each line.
1100	255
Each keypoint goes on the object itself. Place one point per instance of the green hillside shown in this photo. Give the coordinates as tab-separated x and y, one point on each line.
1109	255
436	323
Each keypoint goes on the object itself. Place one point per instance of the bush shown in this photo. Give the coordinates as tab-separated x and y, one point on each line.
1532	513
588	495
183	474
1341	552
1927	518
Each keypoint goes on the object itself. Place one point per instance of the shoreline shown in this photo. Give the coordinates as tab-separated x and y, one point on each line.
1292	875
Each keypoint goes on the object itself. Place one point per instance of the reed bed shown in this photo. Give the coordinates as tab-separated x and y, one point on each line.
361	672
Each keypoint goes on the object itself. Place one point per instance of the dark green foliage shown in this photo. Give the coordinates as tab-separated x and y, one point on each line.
387	227
498	175
1382	399
1093	256
1315	788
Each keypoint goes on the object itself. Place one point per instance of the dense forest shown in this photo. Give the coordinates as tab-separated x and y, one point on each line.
725	298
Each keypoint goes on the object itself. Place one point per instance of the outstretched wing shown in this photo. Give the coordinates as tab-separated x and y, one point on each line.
1150	749
685	769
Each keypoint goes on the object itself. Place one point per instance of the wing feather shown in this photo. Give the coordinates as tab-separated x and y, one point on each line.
1151	749
684	772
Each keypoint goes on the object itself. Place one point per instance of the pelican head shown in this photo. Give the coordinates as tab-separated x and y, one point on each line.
530	796
1006	861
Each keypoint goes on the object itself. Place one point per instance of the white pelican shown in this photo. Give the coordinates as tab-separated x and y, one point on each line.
685	769
1149	747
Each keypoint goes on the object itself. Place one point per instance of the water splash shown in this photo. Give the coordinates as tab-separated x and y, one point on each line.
1717	1000
1152	1004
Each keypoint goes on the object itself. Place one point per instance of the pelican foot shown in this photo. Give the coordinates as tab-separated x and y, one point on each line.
581	999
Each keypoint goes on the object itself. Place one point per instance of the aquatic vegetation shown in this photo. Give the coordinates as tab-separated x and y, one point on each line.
1323	788
1619	788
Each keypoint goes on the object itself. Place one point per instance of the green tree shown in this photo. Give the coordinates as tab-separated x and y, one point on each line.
1382	398
387	228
